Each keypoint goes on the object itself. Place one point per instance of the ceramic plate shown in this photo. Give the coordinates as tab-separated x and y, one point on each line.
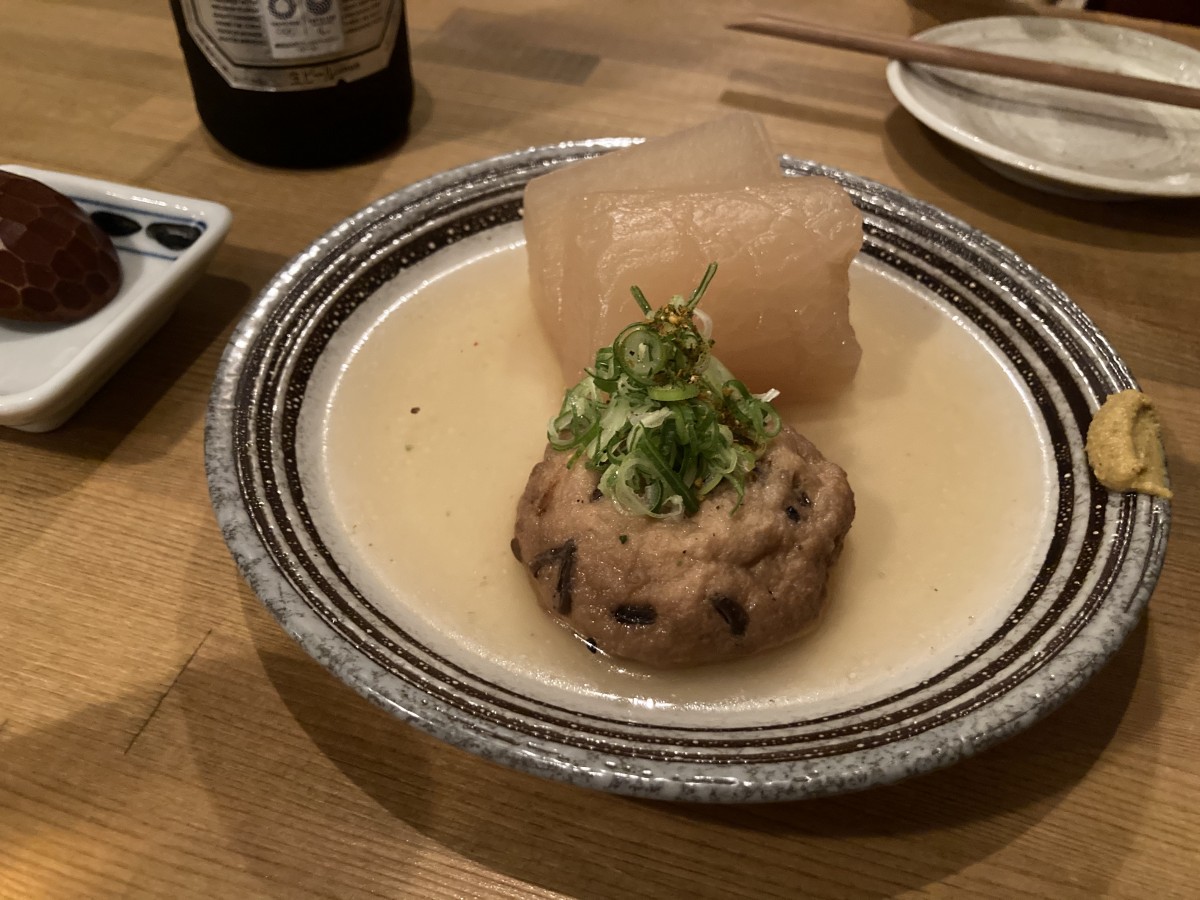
163	241
1066	141
1091	571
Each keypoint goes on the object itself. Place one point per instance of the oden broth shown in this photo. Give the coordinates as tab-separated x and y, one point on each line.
435	410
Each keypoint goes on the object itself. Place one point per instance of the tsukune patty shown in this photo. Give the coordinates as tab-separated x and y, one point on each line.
692	589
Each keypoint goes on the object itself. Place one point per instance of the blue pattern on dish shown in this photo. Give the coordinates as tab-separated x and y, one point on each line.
141	242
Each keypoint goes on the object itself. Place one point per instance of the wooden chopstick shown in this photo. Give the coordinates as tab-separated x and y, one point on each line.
910	50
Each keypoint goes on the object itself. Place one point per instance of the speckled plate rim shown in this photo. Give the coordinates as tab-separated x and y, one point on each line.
666	763
1028	169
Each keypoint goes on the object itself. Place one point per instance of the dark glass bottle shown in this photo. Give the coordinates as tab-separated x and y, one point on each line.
303	110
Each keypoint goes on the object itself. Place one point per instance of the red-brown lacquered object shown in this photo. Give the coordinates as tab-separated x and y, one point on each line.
56	265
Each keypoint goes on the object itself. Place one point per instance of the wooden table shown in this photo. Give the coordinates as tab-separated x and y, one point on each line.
161	736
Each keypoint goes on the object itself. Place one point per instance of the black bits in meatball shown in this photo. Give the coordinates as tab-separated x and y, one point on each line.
635	614
563	559
732	612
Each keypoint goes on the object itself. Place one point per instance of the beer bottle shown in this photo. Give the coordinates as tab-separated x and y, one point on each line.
300	83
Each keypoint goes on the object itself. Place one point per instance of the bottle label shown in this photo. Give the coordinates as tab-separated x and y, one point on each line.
293	45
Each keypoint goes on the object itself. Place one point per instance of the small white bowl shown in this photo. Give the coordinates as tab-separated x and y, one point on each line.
47	370
1061	140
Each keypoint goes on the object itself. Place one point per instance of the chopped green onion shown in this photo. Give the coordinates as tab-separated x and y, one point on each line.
661	419
674	392
702	286
641	300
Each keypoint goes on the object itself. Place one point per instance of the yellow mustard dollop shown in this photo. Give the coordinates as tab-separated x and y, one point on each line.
1124	445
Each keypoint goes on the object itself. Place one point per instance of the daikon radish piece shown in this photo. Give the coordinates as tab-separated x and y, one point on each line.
728	152
779	303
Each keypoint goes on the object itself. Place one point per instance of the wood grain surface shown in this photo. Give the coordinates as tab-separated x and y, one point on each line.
160	736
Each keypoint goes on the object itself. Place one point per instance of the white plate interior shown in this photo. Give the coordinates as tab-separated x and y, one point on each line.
948	538
1044	134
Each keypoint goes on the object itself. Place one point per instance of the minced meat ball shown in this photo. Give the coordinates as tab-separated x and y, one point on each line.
688	590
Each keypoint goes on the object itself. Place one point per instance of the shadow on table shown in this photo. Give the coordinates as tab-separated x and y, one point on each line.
585	844
743	97
131	399
476	48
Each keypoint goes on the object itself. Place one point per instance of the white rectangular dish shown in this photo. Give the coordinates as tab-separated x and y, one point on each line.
48	370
